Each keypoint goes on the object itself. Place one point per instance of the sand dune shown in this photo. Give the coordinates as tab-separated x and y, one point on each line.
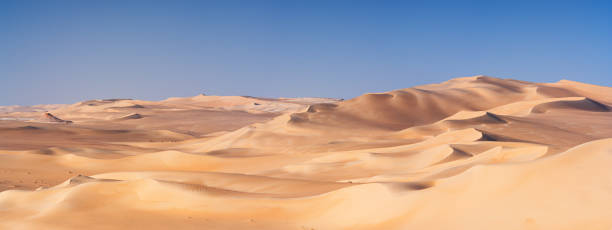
469	153
48	117
130	116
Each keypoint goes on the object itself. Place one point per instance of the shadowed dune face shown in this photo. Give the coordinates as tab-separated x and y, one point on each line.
476	152
48	117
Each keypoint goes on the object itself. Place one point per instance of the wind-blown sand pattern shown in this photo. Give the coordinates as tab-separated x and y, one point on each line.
470	153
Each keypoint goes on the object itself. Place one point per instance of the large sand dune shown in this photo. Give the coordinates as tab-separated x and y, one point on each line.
470	153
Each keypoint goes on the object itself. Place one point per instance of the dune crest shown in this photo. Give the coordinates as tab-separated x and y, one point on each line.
131	116
48	117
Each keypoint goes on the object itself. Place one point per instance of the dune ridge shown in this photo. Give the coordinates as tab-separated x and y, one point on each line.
48	117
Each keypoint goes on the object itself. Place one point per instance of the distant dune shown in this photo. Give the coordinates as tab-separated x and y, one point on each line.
130	116
469	153
48	117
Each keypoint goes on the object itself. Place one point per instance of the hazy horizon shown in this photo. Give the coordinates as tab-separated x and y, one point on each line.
161	98
68	51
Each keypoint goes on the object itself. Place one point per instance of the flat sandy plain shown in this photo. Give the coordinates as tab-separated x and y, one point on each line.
470	153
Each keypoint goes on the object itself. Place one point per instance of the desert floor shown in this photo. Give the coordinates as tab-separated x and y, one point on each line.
470	153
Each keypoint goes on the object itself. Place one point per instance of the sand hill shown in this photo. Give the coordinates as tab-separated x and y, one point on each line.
48	117
470	153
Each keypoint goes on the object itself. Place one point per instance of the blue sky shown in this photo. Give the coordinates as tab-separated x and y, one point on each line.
68	51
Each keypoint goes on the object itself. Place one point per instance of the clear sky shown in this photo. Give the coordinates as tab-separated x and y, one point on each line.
68	51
